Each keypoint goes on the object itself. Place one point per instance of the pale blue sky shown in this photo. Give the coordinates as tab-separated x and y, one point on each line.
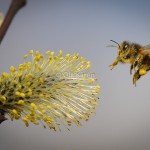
122	119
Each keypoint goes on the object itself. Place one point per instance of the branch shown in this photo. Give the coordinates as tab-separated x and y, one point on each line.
13	9
2	117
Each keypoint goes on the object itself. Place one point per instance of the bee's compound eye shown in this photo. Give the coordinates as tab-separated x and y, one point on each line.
125	47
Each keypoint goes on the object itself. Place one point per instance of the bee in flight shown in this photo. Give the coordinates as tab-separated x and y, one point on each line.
136	55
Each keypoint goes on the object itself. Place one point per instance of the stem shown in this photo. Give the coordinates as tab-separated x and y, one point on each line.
13	9
2	117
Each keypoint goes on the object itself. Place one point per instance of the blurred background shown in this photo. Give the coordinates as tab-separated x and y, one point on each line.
122	119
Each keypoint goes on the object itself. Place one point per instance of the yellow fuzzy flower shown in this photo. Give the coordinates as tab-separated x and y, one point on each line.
49	89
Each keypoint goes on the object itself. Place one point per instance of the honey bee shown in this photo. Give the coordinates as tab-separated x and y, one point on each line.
136	55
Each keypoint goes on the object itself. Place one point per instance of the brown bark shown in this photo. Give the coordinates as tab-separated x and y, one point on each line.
13	9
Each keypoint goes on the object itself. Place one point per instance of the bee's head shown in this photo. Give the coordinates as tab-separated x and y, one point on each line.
123	50
124	47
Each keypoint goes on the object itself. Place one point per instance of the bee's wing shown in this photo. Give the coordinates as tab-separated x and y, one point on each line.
147	47
146	50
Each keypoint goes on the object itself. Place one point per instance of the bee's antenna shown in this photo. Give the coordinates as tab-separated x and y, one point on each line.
115	42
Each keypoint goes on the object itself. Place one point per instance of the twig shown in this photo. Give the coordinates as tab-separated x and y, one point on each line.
13	9
2	117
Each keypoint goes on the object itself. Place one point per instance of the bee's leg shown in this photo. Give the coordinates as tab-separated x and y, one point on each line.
113	65
135	64
131	68
136	77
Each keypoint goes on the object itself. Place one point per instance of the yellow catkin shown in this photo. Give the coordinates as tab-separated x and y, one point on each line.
49	88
